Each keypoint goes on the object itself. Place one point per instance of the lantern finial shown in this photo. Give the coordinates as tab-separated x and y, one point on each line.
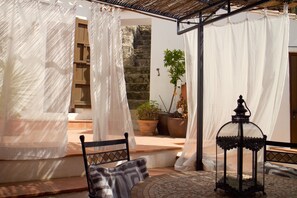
240	111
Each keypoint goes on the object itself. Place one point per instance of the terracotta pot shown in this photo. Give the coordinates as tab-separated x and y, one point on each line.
184	91
162	124
147	127
177	127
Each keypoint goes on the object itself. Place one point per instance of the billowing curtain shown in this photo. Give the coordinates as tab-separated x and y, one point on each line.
248	58
110	110
36	55
188	157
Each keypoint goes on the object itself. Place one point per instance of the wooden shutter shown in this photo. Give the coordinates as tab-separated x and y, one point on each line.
81	97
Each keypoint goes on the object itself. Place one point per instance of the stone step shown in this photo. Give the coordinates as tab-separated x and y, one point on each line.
72	166
137	87
154	148
142	62
133	104
72	187
137	78
137	70
88	124
144	41
141	56
48	188
80	124
136	95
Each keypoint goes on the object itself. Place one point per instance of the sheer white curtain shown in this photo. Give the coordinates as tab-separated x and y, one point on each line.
187	159
248	58
36	55
110	110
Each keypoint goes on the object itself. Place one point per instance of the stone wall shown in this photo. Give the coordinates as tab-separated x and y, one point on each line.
136	59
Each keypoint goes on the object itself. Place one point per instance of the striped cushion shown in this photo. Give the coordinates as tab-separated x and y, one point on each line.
117	182
274	169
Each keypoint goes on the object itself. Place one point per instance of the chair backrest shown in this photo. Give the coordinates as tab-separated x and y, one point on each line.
93	157
280	154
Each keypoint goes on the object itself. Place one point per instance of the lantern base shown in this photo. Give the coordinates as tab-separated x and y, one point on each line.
231	186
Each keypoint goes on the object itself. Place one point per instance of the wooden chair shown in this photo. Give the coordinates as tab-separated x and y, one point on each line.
279	153
93	157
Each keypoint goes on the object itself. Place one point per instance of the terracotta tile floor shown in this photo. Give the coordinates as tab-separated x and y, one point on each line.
143	143
77	186
54	187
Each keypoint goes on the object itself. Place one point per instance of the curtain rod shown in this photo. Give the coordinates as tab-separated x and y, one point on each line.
273	13
133	10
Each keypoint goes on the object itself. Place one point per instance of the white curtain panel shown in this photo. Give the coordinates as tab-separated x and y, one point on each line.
249	58
110	110
36	57
188	157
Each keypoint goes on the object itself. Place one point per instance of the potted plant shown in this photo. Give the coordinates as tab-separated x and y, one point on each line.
148	117
177	121
174	61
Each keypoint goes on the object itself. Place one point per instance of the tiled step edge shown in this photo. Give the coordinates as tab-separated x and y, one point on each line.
57	186
80	124
43	188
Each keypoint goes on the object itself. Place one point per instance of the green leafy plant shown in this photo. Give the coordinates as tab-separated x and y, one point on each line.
148	110
174	60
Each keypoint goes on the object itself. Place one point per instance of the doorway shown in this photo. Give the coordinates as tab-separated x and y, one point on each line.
136	42
80	97
293	95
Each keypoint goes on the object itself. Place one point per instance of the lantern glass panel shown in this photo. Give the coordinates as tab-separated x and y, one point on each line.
231	171
232	129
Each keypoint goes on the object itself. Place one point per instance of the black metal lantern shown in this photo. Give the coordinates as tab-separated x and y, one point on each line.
239	154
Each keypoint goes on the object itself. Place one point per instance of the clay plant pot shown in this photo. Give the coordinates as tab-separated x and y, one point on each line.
162	124
147	127
177	127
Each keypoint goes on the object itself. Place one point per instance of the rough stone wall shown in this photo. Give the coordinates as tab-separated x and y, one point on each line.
136	58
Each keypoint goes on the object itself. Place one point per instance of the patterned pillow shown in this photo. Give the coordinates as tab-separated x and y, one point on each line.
117	182
274	169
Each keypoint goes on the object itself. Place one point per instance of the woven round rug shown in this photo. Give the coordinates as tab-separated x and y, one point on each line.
202	184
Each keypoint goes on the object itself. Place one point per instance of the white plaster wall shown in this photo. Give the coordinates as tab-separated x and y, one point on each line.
164	37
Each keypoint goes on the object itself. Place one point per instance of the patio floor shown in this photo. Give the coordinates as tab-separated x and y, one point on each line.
64	187
76	186
143	143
